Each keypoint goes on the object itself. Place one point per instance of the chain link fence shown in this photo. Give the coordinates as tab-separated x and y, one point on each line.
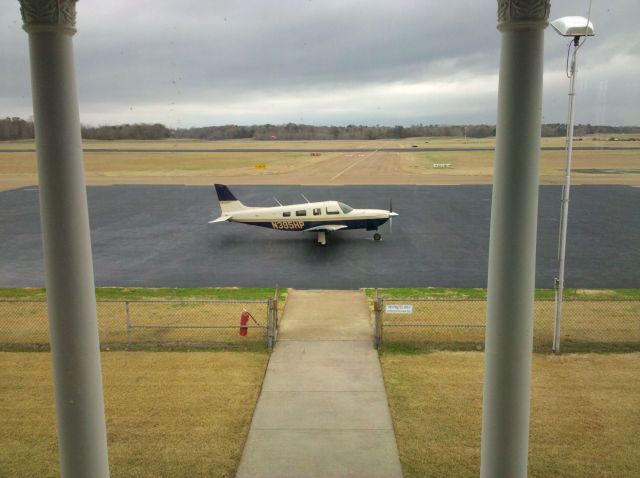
442	323
607	325
143	323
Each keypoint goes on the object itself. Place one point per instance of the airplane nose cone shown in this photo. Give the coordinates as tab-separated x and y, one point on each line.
393	214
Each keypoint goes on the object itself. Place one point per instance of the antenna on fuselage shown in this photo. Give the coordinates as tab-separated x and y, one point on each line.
276	200
305	198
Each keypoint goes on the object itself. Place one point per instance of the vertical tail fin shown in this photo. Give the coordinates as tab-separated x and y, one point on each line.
228	202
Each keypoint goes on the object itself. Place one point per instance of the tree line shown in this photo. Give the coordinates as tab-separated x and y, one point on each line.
294	131
18	128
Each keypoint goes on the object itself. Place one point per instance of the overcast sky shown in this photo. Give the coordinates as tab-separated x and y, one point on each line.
194	63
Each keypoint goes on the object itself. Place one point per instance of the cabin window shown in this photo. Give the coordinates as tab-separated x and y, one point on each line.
316	212
301	213
345	209
286	214
332	210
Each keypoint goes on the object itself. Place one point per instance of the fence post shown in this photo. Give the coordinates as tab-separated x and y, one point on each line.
275	318
377	322
555	346
128	319
270	323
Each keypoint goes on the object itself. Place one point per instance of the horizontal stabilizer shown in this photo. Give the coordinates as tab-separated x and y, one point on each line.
220	219
326	227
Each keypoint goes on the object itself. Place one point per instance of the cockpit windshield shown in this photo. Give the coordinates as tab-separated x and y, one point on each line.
345	209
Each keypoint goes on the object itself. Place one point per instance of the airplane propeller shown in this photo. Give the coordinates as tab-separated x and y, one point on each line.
391	216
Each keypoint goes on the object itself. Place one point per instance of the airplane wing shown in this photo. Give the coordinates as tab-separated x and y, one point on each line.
220	219
326	227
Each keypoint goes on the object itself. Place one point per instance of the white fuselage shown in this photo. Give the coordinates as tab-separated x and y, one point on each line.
309	216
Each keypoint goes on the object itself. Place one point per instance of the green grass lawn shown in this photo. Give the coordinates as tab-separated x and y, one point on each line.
139	293
454	293
168	413
584	413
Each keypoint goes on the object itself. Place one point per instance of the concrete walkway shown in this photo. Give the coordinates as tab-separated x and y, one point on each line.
323	409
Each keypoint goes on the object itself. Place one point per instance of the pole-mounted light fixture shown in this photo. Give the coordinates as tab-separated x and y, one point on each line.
576	27
573	27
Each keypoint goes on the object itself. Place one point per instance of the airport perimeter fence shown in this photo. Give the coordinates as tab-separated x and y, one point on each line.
459	324
134	324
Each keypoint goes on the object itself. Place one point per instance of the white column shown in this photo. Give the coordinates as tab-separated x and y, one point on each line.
512	246
73	329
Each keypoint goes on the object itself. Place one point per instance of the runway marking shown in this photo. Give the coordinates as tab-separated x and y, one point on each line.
357	162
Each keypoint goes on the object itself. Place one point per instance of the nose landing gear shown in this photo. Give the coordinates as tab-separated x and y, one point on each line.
377	236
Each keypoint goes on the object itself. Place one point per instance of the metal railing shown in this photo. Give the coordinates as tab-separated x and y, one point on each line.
134	323
459	323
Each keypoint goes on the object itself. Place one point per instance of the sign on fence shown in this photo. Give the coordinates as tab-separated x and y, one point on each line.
399	309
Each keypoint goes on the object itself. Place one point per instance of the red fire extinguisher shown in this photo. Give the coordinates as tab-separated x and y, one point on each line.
244	320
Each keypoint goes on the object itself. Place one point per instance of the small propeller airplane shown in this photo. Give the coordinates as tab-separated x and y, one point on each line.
320	217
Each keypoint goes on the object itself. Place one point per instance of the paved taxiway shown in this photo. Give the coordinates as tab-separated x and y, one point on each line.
158	236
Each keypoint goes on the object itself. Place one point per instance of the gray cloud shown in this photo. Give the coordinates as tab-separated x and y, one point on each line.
322	62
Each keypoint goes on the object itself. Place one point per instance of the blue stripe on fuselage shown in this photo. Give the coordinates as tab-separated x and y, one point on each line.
368	224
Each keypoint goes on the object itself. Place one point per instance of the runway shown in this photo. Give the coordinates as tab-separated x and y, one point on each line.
158	236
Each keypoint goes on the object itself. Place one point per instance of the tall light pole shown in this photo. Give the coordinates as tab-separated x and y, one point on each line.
575	27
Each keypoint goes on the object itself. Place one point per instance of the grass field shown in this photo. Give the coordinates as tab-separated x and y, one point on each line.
588	167
187	414
584	413
140	293
168	414
453	293
18	169
596	141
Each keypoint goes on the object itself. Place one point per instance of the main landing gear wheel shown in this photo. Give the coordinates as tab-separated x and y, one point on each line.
377	236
